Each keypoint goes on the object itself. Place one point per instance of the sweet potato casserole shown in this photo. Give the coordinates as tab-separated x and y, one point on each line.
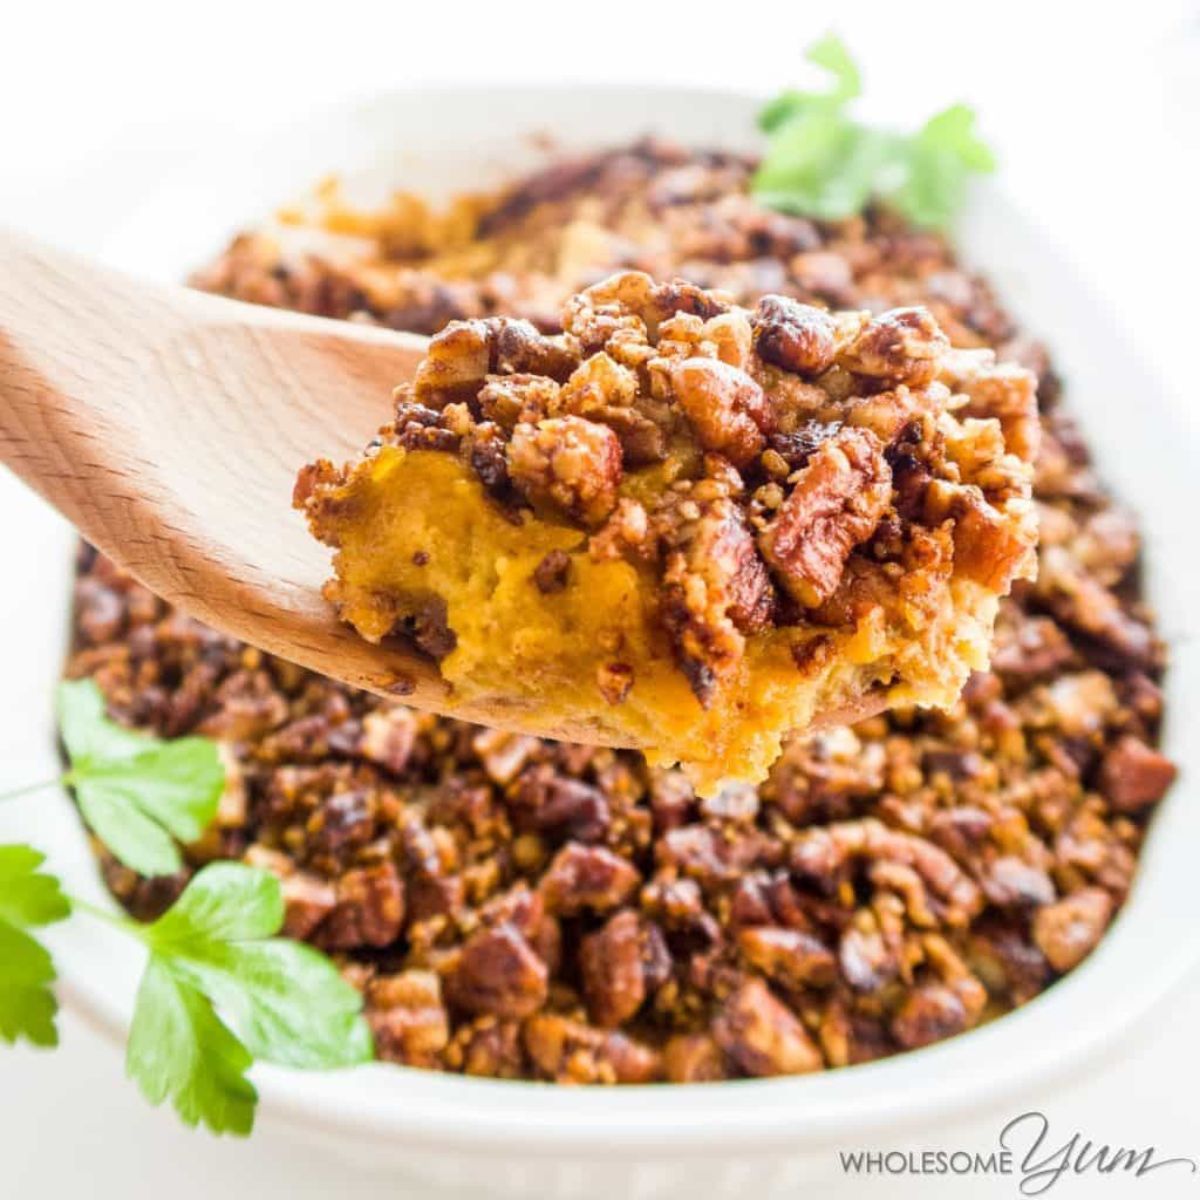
522	908
706	525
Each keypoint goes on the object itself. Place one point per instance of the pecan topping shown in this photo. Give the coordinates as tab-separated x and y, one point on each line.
715	587
1133	776
569	463
933	857
901	346
587	877
796	337
498	973
621	964
835	503
762	1037
1067	932
726	407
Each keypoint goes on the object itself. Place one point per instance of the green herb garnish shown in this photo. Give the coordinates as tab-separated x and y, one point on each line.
215	947
138	794
213	957
28	898
220	990
822	163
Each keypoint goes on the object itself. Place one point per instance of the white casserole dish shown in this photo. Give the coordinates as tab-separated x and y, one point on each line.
501	1138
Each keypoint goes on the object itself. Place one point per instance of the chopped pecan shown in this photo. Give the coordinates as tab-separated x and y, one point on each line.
726	408
572	1052
342	821
671	799
760	1036
1028	647
622	963
587	877
388	737
491	1048
903	345
693	1058
715	587
794	336
504	754
928	1014
866	958
1007	392
460	358
416	427
605	391
308	900
407	1017
1010	882
1007	961
709	857
835	503
548	801
1086	605
569	463
988	547
788	957
1067	932
509	400
99	611
497	972
552	572
820	854
369	910
1134	776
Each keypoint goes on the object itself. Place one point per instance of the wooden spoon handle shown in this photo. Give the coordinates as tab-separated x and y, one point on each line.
119	400
168	426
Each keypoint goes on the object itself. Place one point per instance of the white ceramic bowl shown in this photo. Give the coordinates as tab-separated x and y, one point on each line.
517	1138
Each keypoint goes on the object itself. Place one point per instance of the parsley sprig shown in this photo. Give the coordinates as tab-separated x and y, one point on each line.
822	163
220	990
215	949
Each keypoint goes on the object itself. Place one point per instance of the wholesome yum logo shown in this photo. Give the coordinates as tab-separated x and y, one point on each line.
1026	1151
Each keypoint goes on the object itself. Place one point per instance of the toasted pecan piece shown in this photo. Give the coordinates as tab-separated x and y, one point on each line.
715	587
794	336
835	503
569	463
903	345
727	408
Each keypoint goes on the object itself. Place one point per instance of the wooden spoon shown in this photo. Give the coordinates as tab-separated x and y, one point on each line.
168	425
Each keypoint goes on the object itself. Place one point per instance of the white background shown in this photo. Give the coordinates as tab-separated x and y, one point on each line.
1095	113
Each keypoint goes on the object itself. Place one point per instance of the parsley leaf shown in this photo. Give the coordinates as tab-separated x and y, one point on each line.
28	898
136	793
179	1050
821	163
940	160
287	1001
832	55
